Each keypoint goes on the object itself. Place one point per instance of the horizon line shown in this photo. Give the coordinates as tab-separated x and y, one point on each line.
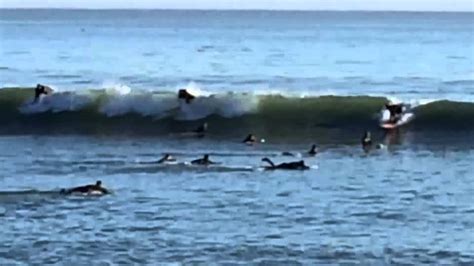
236	9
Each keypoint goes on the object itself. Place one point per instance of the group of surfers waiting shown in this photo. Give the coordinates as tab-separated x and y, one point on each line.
98	189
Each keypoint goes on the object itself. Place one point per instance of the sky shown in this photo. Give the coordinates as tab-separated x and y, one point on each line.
395	5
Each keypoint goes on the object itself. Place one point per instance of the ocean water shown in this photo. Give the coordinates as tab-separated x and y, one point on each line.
291	78
419	55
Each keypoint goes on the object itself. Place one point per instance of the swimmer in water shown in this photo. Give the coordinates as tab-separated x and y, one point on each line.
366	141
40	90
203	161
313	151
184	94
250	139
167	158
299	165
88	189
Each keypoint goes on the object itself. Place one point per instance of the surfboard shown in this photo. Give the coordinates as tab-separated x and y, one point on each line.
406	118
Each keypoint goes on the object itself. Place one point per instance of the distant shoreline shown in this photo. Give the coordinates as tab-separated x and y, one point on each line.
234	10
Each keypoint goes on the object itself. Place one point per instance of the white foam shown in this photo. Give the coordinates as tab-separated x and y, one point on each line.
194	89
113	87
147	103
58	102
226	105
120	99
144	103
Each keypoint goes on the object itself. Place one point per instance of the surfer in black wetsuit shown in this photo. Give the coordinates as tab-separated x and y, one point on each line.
396	111
250	139
203	161
299	165
87	189
184	94
41	89
313	151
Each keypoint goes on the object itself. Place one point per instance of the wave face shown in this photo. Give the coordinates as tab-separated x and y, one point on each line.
123	110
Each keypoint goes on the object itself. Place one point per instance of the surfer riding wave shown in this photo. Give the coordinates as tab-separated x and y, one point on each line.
396	111
395	115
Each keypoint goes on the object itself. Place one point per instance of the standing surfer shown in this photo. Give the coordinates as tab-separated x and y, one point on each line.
40	90
395	110
184	94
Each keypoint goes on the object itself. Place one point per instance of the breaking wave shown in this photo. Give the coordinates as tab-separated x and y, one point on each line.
123	110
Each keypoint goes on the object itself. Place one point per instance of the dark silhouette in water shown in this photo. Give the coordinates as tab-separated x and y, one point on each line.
299	165
250	139
203	161
40	90
87	189
167	158
184	94
396	111
366	141
201	130
313	151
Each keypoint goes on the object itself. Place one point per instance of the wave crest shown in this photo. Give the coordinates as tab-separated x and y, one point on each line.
153	111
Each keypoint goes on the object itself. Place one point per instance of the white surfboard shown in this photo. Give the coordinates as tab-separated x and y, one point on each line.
406	118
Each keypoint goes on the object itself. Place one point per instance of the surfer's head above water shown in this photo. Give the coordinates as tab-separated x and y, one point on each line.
88	189
313	151
98	188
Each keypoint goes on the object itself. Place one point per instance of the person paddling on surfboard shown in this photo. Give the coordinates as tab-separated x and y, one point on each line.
97	189
203	161
40	90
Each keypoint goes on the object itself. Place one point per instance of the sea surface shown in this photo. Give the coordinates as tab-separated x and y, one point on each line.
291	78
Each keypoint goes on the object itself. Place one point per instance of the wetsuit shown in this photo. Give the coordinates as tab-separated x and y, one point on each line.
41	89
87	189
184	94
396	111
